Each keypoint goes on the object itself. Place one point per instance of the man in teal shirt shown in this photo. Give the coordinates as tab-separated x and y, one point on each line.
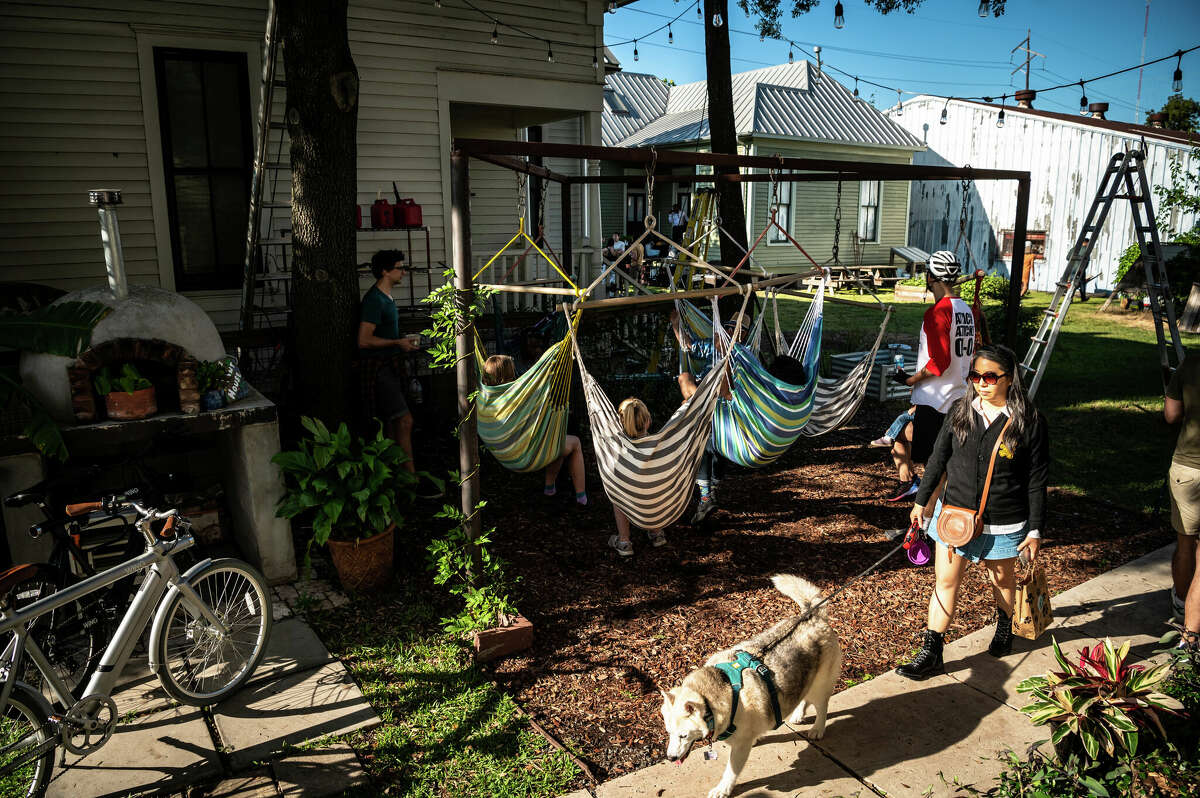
380	329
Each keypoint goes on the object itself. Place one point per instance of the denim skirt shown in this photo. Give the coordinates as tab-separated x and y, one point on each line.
984	547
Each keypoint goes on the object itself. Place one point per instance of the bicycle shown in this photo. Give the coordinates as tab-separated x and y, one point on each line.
209	629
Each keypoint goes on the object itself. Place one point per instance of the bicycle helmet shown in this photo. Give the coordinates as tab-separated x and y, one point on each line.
944	266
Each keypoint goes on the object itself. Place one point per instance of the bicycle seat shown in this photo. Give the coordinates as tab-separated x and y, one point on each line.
15	576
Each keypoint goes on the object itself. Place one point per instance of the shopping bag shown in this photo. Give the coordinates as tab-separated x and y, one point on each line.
1031	605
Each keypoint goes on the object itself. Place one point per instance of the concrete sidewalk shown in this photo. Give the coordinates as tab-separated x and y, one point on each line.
894	737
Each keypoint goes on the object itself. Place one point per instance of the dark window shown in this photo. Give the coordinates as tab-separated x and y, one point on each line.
204	114
868	211
783	211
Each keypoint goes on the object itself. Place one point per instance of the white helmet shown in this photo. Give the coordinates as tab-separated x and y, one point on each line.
944	266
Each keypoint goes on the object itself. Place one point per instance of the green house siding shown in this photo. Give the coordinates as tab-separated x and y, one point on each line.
612	202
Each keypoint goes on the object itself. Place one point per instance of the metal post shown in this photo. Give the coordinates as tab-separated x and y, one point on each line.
1018	263
567	259
468	442
106	202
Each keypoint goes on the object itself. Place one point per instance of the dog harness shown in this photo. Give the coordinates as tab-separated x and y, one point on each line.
732	671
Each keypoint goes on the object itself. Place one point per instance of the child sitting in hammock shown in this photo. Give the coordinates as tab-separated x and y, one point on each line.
498	370
635	420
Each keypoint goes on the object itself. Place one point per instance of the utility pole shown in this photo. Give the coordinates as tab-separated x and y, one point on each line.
1024	46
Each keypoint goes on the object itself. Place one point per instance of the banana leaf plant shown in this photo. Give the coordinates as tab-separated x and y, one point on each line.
1101	701
63	329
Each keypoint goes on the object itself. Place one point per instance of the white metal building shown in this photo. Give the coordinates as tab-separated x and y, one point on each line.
1066	156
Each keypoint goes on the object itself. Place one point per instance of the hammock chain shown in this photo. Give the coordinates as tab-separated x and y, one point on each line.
522	195
963	238
651	168
541	228
837	222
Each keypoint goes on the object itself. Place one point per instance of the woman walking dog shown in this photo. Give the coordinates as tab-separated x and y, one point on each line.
996	421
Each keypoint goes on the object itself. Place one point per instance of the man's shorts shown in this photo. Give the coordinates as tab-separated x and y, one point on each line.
927	423
1185	498
389	394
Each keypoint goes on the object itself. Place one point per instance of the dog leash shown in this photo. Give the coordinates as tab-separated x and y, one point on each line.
911	537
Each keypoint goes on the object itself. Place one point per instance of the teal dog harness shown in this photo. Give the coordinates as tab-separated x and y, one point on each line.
732	671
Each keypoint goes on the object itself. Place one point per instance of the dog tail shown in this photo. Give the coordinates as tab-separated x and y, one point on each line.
801	591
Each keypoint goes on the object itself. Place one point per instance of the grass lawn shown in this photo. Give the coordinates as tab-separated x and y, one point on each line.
447	731
1101	394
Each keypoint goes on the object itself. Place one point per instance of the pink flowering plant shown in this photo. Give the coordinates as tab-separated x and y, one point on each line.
1101	701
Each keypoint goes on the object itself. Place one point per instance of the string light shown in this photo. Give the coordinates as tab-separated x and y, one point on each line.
717	21
595	60
791	56
856	89
549	53
437	3
635	52
839	19
495	33
899	104
1177	79
983	8
612	7
1083	103
1000	117
670	34
943	120
698	14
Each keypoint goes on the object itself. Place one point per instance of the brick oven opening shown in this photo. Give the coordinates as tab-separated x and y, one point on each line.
169	368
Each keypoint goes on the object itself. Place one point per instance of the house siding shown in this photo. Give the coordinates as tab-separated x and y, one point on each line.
75	119
1065	160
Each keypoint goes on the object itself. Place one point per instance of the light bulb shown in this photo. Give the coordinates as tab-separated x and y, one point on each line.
1083	103
1000	119
698	14
899	104
549	53
856	88
839	19
717	21
635	52
670	35
791	56
595	60
942	121
1177	81
495	33
983	8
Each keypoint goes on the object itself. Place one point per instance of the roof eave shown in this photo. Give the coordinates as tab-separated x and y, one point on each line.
840	142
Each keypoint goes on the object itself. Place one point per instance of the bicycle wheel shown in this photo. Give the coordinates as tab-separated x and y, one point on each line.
27	743
72	637
197	664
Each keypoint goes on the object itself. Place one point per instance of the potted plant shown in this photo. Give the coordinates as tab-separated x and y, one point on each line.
128	395
911	289
354	489
213	379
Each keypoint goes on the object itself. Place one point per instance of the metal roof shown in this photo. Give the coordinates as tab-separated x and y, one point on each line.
788	101
645	97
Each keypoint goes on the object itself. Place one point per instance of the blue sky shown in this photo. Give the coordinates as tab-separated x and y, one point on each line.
945	47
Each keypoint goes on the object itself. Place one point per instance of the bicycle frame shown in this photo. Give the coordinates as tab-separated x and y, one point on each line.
162	575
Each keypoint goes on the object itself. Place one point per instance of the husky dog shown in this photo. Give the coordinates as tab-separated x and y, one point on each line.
804	658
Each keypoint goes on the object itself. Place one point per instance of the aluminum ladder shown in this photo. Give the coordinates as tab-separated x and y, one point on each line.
266	269
1124	178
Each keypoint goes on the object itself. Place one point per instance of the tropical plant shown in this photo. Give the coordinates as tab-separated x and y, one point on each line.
213	375
129	380
470	571
351	487
1103	702
63	329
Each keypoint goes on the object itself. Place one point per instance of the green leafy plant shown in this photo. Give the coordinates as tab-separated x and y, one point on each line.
452	311
1100	701
63	329
470	571
351	487
993	287
213	375
129	380
917	280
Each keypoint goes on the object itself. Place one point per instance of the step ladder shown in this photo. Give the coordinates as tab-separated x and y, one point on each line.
1124	178
267	268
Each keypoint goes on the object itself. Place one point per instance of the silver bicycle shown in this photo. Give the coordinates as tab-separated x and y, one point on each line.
208	632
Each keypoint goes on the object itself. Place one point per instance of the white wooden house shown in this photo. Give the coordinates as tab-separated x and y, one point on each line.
159	98
1066	155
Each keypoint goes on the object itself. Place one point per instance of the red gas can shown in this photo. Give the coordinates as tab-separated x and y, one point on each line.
382	214
408	213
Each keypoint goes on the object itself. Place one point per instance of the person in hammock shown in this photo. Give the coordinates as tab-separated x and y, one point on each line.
499	370
712	465
635	421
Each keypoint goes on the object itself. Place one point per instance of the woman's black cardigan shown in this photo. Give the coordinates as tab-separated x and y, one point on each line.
1019	481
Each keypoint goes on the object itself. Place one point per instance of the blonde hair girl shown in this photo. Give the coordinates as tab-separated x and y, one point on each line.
500	369
635	420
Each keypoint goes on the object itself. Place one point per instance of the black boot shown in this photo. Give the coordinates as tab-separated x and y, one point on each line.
928	661
1002	640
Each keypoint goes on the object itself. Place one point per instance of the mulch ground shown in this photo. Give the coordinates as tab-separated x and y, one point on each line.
609	631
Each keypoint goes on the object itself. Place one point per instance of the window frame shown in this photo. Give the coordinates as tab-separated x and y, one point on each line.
878	206
215	280
775	237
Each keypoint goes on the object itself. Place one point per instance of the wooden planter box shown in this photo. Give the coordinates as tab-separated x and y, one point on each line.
499	642
910	293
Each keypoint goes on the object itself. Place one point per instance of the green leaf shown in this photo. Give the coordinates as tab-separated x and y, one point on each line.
42	430
1090	744
1058	655
1060	732
1094	787
64	328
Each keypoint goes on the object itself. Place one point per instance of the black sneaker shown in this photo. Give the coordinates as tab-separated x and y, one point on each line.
907	492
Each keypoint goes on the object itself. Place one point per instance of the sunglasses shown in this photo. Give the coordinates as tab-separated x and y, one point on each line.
987	378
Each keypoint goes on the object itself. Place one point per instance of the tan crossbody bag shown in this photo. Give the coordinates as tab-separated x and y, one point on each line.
958	526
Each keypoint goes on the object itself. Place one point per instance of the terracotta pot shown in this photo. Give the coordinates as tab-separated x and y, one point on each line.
909	293
364	564
500	641
128	406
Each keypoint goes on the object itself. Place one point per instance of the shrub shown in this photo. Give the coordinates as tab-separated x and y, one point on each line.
470	571
129	380
993	286
1100	702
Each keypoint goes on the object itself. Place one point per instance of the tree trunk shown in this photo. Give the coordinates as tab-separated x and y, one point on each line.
722	131
322	120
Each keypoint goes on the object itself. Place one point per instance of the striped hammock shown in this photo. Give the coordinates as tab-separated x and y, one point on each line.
523	423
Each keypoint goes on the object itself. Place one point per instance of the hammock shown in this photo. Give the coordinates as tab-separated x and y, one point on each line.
650	478
523	423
